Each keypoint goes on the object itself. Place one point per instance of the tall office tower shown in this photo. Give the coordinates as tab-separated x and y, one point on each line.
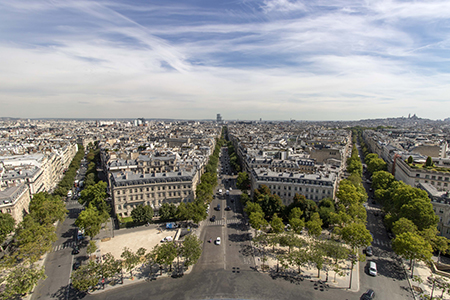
219	118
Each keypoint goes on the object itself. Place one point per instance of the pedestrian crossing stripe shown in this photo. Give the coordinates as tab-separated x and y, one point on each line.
228	221
63	246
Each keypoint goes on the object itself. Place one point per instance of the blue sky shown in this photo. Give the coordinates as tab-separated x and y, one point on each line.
245	59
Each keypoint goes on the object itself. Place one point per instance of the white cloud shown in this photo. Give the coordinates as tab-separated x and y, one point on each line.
349	61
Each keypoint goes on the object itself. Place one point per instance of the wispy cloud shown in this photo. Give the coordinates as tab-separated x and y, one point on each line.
275	59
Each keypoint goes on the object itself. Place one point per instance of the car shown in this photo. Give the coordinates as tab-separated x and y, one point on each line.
232	200
213	218
369	251
369	295
217	241
372	268
218	207
231	188
76	265
167	239
75	250
227	208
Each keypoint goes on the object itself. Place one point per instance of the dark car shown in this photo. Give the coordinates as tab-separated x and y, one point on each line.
369	295
218	207
369	251
75	250
213	218
76	265
227	208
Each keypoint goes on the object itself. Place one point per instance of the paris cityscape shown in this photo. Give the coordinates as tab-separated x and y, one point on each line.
249	149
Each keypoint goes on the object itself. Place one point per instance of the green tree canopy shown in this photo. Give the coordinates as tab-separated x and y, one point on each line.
46	208
314	225
167	211
33	239
277	224
142	214
7	224
90	220
412	246
191	249
21	280
403	225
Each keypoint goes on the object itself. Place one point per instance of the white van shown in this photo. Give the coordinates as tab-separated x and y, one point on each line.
373	268
69	194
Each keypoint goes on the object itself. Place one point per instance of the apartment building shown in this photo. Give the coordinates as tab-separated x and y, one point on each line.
441	206
15	201
129	189
286	184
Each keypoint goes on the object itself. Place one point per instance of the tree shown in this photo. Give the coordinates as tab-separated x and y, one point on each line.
94	194
337	253
403	225
314	225
429	162
7	224
412	246
357	236
197	211
21	281
182	213
317	255
167	211
420	211
166	253
191	249
243	181
46	208
253	207
410	160
277	224
110	266
382	180
89	220
326	207
91	248
299	258
131	259
297	225
257	221
377	164
86	276
33	239
142	214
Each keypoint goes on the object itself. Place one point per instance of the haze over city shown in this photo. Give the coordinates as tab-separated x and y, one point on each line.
275	60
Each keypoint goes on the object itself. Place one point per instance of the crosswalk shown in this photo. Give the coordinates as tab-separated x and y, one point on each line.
382	243
64	246
220	222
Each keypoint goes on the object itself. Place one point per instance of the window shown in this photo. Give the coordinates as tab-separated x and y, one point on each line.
417	175
433	177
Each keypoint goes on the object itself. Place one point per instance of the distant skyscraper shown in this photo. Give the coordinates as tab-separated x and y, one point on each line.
219	118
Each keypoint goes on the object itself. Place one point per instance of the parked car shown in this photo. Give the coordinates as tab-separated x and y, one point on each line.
369	251
167	239
75	250
372	268
227	208
369	295
217	241
76	265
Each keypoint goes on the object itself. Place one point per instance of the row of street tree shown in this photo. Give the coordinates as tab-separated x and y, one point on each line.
33	236
346	219
110	270
408	212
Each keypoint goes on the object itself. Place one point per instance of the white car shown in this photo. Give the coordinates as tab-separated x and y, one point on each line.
218	241
167	239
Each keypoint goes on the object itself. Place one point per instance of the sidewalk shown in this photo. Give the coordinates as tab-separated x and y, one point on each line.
309	272
424	285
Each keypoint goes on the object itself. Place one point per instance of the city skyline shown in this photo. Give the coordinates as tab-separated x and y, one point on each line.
273	59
